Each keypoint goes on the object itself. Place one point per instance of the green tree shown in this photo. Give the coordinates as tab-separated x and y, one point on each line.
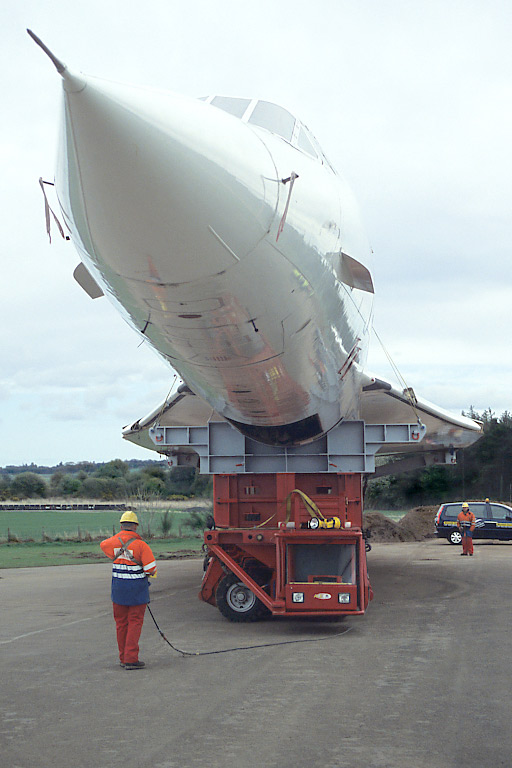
203	485
5	487
158	472
181	480
28	485
114	468
70	486
141	484
153	486
384	493
95	488
55	482
436	483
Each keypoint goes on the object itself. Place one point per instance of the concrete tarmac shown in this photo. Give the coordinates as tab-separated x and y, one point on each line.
421	681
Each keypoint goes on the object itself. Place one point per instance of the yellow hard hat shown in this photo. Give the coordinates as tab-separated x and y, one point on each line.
465	505
129	517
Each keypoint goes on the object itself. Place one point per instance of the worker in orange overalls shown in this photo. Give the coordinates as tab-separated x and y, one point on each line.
133	562
466	525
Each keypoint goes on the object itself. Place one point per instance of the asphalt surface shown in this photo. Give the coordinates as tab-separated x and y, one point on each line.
422	680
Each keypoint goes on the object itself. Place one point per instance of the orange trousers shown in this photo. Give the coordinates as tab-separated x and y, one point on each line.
129	620
467	544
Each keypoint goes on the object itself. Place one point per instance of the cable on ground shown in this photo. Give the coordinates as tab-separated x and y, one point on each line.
246	647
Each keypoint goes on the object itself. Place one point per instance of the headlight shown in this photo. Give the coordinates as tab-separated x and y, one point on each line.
314	523
343	597
297	597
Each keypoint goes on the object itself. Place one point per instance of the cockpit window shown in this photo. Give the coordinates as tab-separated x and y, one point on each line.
304	143
234	106
274	118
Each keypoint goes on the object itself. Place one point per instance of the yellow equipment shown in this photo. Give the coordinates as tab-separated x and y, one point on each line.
331	522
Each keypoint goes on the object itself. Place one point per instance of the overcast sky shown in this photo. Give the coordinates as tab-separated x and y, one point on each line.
411	101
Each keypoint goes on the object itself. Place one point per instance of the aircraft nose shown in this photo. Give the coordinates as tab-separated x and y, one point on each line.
161	187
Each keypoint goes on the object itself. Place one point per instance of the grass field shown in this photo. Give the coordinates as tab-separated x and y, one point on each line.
33	554
48	537
36	524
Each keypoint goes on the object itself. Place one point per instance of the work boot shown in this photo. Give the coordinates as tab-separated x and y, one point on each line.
134	665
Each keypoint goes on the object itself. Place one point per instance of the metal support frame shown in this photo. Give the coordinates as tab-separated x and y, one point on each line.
276	606
349	447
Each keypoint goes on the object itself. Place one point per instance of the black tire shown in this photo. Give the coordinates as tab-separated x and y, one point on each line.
455	537
236	601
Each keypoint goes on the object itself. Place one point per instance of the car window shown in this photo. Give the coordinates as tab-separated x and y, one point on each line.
501	513
450	511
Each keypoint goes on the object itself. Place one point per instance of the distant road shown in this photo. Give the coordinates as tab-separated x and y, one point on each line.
421	681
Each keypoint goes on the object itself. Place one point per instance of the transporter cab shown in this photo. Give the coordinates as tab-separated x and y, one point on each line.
280	550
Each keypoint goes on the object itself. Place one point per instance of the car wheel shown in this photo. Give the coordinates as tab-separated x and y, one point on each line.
455	537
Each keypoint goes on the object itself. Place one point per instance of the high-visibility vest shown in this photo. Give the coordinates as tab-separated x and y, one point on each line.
133	562
466	521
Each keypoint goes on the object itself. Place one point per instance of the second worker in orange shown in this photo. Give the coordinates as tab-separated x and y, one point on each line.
466	525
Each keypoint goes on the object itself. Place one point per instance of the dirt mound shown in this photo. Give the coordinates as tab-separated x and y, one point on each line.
415	525
381	528
420	522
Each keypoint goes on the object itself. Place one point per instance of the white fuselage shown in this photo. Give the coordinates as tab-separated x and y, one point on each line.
183	214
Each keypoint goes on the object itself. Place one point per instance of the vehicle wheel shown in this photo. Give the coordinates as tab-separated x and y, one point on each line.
455	537
236	601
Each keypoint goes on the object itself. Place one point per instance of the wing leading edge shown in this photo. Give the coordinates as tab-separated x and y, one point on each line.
183	409
381	403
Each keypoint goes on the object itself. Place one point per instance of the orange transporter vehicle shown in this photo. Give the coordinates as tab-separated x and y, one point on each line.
286	544
286	538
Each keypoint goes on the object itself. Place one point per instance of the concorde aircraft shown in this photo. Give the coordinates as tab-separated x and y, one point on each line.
219	229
